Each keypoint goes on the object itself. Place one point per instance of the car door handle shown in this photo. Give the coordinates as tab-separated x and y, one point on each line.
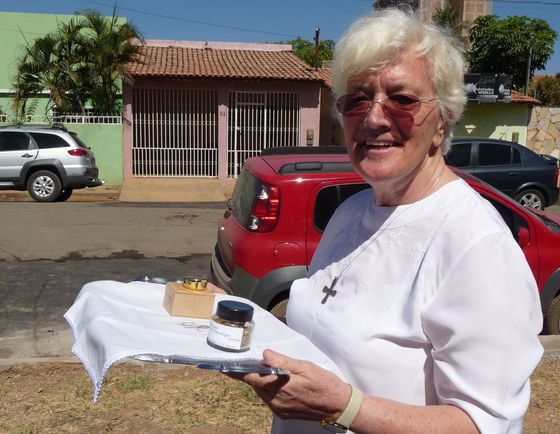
513	173
27	155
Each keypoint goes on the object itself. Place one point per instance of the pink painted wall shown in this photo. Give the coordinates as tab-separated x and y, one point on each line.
310	98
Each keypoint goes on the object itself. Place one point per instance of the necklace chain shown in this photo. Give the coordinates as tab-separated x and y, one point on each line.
330	291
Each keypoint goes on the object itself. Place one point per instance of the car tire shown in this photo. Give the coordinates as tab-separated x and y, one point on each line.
278	307
64	195
44	186
531	198
553	317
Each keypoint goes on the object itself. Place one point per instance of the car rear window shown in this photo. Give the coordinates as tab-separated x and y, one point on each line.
243	196
493	154
48	141
459	155
78	140
328	200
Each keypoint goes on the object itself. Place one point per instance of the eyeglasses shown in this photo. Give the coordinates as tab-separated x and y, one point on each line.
400	106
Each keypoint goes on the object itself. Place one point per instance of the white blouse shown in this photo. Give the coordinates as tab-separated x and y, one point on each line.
435	304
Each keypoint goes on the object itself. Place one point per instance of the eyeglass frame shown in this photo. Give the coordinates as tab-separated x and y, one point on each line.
405	112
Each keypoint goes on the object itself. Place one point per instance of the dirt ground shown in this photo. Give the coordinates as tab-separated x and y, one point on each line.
150	398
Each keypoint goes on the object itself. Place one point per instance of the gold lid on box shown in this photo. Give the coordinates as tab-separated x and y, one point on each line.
194	283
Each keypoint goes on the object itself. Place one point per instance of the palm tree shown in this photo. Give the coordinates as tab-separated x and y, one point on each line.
448	17
81	62
110	47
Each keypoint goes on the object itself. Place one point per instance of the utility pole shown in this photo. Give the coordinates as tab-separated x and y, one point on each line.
529	58
316	57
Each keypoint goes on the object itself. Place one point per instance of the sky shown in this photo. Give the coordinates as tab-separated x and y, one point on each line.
259	20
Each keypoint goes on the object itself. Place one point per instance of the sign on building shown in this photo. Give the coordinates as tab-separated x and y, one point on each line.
488	87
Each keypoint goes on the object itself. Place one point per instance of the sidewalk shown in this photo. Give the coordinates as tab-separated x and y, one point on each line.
146	190
97	194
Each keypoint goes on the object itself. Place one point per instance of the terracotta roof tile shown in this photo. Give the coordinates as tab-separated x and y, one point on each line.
519	98
221	63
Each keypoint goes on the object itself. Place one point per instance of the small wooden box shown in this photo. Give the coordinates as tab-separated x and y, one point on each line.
181	301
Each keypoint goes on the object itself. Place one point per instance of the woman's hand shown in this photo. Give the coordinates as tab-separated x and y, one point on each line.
309	392
215	289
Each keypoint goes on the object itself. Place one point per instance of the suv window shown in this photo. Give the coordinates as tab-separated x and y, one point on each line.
78	140
329	198
493	154
47	141
243	196
512	219
13	141
459	155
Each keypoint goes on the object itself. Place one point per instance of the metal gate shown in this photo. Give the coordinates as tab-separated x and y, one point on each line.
259	120
175	132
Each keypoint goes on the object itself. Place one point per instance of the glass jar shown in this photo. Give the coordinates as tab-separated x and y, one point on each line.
231	327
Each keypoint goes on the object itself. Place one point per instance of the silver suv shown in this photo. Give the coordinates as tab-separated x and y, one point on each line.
47	161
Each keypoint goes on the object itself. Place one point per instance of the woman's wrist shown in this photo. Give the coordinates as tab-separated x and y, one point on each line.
343	401
342	420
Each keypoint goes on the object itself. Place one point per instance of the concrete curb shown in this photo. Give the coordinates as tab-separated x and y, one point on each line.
98	194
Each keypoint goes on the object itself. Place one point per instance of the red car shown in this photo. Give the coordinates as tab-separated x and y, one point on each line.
283	200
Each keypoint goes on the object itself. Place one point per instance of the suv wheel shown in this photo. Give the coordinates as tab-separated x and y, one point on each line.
531	198
553	316
44	186
65	195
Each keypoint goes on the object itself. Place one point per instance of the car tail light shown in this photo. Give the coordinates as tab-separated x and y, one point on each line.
78	152
265	209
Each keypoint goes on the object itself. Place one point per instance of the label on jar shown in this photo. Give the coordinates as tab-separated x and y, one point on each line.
225	336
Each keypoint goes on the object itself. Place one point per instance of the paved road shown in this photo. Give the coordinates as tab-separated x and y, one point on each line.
49	251
75	230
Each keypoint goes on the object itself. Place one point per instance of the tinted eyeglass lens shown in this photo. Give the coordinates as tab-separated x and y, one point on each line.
401	108
353	104
357	104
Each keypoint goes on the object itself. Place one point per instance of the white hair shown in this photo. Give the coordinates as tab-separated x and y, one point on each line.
381	37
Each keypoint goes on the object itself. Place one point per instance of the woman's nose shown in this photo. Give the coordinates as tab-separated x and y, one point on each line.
376	115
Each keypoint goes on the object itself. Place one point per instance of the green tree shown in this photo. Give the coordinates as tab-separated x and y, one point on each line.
305	50
82	61
503	45
53	63
547	90
109	49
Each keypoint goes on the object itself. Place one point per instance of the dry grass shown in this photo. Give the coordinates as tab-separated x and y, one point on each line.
151	398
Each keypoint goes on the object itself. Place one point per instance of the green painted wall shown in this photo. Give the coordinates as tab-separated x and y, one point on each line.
496	121
105	140
13	39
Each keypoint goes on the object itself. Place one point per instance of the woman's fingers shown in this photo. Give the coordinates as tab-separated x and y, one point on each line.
215	289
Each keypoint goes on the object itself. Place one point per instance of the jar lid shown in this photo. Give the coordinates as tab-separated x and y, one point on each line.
234	311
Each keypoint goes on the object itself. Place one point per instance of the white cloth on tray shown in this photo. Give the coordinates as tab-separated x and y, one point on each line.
113	320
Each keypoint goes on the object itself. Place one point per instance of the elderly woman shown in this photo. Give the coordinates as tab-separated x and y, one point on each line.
418	291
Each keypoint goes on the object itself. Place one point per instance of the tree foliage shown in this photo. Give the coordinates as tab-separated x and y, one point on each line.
547	90
305	50
502	45
82	61
447	17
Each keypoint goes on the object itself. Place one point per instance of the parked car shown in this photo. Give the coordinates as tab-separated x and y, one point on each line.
283	200
529	178
47	161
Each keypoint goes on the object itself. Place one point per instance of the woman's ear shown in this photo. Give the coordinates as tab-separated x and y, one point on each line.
440	133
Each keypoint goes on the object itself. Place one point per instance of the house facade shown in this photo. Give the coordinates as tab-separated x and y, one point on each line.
199	109
504	121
